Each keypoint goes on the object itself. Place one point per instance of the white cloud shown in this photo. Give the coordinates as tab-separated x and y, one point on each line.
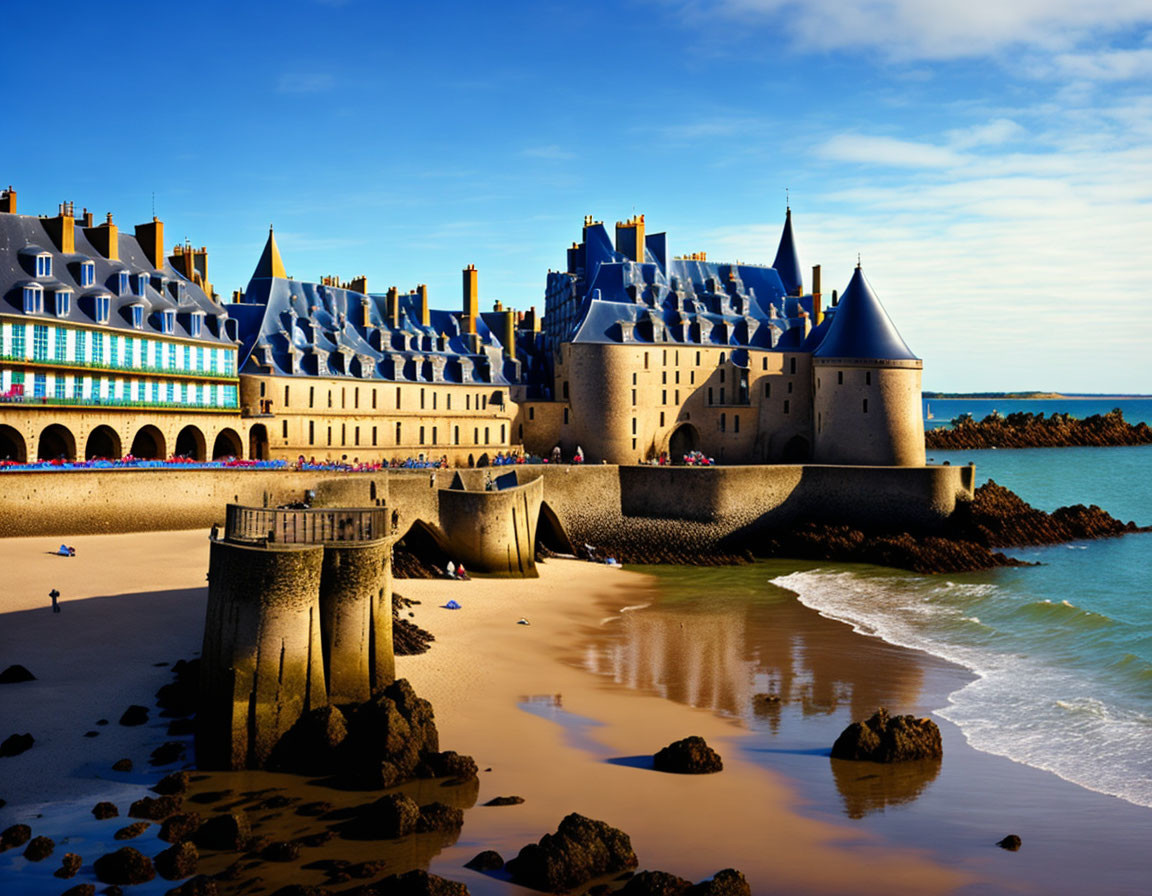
933	29
887	151
992	133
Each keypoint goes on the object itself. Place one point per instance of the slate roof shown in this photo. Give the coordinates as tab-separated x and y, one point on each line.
861	328
787	263
299	328
607	297
22	237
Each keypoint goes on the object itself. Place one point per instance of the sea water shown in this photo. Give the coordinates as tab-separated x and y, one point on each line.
1061	653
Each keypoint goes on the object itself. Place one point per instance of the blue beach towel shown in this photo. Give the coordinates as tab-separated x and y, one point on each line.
451	605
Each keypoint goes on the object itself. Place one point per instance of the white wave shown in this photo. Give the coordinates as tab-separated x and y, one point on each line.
629	609
1016	702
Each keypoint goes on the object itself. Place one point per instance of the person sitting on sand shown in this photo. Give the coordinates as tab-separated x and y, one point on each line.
451	569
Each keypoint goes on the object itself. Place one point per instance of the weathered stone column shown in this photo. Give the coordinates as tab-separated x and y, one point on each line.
356	619
261	665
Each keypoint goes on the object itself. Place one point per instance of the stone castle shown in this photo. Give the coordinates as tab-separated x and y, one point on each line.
112	346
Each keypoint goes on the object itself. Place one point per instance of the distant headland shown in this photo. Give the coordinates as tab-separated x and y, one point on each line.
1033	396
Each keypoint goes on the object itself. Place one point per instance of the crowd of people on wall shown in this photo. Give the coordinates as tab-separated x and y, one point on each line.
691	459
128	462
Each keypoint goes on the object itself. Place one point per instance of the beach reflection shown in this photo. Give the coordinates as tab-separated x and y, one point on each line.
749	650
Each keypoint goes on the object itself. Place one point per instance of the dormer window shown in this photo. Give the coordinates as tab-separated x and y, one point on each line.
122	283
63	302
33	299
44	265
103	306
195	324
141	284
168	322
138	316
87	273
178	290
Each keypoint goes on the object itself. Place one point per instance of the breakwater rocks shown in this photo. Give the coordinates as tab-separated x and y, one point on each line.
1022	430
996	518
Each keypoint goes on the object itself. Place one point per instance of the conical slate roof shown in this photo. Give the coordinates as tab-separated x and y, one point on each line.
861	328
787	263
270	264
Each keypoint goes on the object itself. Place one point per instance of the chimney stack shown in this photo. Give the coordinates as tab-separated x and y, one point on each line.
392	307
471	299
509	333
151	239
630	238
817	310
422	289
105	239
62	229
8	201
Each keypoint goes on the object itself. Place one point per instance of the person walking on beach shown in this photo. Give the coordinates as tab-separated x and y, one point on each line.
55	595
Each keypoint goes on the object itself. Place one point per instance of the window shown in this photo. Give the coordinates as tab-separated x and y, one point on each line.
455	435
721	395
421	435
40	343
421	408
697	359
661	418
311	432
486	439
81	346
141	284
285	393
77	387
329	398
63	302
129	352
735	423
284	430
868	378
397	405
633	398
791	365
723	423
168	322
373	428
98	348
230	366
343	433
839	377
138	317
532	413
645	362
398	433
764	365
865	405
447	402
633	426
311	396
18	348
709	395
44	265
33	299
87	273
721	374
789	387
503	433
356	402
785	405
103	306
40	386
170	390
60	350
356	436
195	324
199	355
61	387
329	435
476	435
565	416
122	283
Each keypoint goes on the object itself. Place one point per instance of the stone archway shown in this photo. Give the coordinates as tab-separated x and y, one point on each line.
56	442
258	442
149	444
12	445
227	444
104	442
190	443
550	532
684	439
796	451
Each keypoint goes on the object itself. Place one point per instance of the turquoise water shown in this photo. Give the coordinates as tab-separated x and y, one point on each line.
1062	652
943	410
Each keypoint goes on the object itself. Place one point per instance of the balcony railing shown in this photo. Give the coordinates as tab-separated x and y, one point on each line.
263	525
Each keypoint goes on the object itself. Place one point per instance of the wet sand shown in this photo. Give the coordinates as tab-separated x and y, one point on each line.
565	712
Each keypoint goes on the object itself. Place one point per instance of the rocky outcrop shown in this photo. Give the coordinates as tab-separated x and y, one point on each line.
488	860
581	849
132	831
884	738
172	784
1011	843
15	674
690	756
419	883
230	831
16	744
125	866
155	808
1023	430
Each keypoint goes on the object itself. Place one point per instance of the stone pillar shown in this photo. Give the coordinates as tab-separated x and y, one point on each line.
261	665
356	632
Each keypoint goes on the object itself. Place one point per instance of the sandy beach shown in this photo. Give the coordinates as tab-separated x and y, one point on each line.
564	712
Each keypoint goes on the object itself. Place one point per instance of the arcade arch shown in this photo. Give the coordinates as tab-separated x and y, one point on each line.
56	442
103	441
149	444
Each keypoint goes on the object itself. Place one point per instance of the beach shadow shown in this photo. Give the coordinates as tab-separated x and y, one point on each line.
643	761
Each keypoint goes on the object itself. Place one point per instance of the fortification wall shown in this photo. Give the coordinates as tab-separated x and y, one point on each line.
494	532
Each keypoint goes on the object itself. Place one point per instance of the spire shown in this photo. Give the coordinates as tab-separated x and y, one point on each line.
787	263
270	264
861	328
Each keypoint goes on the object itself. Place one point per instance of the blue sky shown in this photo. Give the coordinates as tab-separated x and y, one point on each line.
990	161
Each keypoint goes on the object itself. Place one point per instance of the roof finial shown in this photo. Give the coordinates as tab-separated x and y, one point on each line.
787	201
857	260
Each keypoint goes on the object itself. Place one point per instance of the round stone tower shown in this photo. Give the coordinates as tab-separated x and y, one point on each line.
867	387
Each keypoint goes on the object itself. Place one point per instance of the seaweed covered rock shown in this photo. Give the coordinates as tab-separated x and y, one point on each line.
581	849
172	784
224	832
488	860
180	826
155	808
690	756
439	817
884	738
69	865
1024	430
393	815
312	745
125	866
105	809
177	862
656	883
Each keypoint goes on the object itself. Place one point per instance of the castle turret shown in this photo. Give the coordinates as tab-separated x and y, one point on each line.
270	264
787	263
867	388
